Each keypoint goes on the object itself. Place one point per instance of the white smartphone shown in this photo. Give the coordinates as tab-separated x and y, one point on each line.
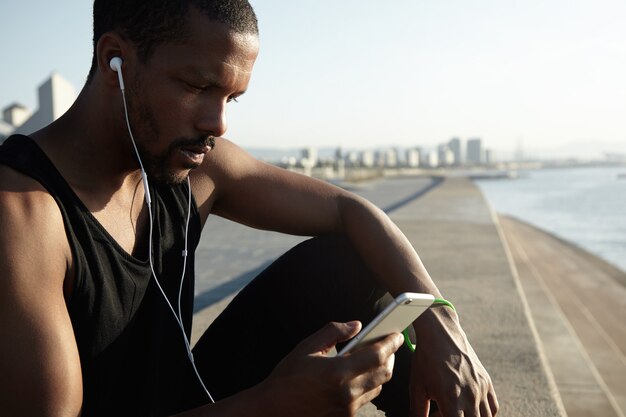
396	317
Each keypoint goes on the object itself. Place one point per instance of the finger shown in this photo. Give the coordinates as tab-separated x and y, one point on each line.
328	336
374	378
493	402
485	410
369	396
453	409
375	354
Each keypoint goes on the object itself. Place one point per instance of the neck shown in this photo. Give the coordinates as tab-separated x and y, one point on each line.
90	143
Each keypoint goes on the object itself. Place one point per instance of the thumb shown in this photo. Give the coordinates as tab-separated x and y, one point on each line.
328	336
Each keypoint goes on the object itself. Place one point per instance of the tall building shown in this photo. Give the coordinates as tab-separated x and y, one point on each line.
445	155
475	151
55	96
455	146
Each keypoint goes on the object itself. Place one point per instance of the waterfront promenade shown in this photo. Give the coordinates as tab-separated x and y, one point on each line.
474	258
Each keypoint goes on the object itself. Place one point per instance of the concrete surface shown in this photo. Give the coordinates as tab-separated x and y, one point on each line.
454	231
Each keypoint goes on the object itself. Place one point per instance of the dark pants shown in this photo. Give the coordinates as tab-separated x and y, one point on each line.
319	281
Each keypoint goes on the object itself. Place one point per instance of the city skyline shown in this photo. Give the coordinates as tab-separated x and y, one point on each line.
546	78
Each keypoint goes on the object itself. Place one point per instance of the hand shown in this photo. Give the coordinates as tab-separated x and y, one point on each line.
445	368
307	382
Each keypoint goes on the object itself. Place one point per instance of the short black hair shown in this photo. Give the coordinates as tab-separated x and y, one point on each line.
148	23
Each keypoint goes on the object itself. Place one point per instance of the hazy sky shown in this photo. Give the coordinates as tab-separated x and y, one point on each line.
546	74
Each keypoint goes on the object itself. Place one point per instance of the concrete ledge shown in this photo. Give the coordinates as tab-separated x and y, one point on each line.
454	231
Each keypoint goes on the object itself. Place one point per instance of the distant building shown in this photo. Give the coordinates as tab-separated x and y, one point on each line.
390	158
455	146
55	95
367	158
5	130
309	157
338	154
431	159
412	158
445	156
16	114
352	159
475	151
488	157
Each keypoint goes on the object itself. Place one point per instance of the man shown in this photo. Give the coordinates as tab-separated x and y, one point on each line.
95	296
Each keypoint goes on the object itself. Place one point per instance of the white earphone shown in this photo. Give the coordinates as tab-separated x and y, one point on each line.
116	65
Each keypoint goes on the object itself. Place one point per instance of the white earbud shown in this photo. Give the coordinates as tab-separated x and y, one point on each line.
116	65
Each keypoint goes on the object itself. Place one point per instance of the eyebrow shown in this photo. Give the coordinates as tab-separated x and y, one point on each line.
209	79
206	77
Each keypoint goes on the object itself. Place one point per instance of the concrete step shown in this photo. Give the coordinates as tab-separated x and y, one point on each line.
578	307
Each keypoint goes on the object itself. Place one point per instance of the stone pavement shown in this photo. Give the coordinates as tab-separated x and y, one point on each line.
459	240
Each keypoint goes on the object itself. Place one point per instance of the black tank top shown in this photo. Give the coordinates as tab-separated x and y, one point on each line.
132	353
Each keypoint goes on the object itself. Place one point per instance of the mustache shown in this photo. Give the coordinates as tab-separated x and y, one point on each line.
199	141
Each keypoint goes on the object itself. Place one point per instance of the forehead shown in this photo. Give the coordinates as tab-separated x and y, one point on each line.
208	44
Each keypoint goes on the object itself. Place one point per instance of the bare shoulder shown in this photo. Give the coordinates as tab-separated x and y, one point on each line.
29	214
38	349
252	192
226	161
33	243
224	165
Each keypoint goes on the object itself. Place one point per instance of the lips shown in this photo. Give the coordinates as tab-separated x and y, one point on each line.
197	149
195	153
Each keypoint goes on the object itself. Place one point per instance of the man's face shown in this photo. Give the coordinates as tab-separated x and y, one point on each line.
178	99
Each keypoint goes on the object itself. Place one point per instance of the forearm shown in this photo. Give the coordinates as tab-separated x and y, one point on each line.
390	256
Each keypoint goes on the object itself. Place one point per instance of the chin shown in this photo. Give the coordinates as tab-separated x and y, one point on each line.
171	177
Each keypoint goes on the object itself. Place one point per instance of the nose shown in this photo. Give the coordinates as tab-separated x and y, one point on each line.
211	119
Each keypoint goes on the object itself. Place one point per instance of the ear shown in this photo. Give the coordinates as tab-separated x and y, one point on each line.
111	45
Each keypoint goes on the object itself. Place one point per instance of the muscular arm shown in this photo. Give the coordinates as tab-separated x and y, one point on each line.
39	360
234	185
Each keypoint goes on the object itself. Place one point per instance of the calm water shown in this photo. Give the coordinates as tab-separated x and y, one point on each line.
586	206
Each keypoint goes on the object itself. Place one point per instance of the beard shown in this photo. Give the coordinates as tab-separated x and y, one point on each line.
158	165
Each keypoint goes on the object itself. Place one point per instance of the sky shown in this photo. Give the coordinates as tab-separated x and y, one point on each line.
544	76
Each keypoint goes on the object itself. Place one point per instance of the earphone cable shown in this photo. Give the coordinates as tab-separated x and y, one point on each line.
177	317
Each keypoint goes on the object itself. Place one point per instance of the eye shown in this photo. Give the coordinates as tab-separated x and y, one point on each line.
232	99
194	88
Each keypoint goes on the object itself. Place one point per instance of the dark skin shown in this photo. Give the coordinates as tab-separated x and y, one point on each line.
180	96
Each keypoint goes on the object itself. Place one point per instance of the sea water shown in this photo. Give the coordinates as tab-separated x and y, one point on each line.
586	206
